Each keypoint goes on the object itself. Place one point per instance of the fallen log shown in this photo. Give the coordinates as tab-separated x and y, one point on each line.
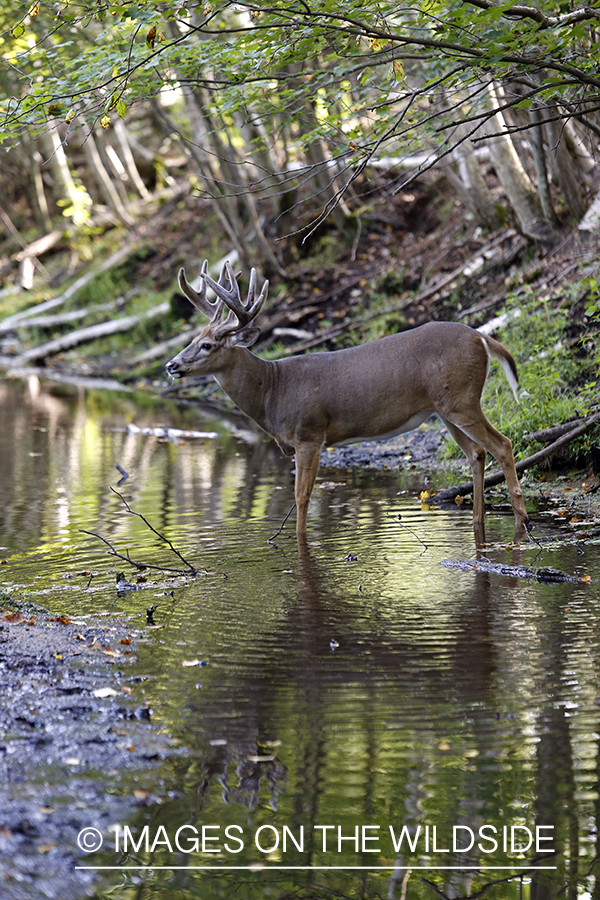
85	335
543	573
10	323
63	318
449	494
555	431
174	435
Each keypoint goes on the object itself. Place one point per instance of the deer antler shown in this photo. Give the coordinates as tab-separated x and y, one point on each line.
210	308
240	314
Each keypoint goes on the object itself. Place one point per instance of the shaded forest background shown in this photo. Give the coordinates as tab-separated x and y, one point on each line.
382	165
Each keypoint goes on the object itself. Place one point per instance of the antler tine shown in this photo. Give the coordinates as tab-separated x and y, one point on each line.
198	299
244	312
211	308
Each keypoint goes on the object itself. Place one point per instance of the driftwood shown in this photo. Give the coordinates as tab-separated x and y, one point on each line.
90	333
466	268
41	245
170	434
495	478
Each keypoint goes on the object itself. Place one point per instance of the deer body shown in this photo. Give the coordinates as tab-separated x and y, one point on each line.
375	390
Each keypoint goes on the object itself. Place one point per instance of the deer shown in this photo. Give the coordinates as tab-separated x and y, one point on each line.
375	390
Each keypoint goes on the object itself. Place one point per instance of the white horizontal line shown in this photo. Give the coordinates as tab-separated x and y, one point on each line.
261	868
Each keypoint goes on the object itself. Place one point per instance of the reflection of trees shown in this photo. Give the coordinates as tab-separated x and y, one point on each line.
462	660
556	804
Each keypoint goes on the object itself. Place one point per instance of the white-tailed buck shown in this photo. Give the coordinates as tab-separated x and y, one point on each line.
375	390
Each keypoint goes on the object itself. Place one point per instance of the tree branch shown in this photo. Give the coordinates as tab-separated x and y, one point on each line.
189	570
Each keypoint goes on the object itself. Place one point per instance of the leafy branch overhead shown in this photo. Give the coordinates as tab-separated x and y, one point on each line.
274	96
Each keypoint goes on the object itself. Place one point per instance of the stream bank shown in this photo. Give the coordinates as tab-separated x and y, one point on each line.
72	730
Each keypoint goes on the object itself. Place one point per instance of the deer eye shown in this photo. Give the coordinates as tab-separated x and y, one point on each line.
206	346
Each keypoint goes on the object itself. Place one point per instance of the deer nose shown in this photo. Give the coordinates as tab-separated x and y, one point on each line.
172	368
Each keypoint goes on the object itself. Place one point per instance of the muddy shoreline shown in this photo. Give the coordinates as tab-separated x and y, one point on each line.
72	729
422	446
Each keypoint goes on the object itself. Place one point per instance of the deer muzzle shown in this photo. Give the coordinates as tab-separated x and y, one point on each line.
174	368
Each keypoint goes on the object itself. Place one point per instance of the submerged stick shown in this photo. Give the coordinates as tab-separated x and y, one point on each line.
280	529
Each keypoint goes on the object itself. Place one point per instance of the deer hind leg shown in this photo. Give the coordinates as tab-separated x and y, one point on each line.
307	466
475	454
478	429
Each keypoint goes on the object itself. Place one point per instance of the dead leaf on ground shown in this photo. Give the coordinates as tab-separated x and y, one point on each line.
17	618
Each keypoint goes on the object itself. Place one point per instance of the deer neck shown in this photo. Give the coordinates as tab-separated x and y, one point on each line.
247	379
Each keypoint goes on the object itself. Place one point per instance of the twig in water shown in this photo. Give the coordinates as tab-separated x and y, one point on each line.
123	473
280	529
398	518
189	570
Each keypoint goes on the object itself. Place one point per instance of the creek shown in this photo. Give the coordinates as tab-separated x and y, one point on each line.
352	720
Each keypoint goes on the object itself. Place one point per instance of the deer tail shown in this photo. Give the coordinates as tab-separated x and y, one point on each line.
496	350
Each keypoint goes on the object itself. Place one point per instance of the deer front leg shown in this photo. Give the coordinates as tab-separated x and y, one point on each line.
307	466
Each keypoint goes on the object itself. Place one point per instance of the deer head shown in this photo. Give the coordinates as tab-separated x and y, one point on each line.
208	353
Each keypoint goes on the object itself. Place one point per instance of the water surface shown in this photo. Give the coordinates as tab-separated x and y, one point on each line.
324	700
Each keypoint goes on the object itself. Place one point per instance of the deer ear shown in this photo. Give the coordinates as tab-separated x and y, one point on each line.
245	338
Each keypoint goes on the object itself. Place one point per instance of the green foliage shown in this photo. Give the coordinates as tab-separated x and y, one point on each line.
105	285
364	78
557	382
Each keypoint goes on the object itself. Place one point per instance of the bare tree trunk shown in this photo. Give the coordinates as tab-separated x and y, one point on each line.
127	155
38	196
539	158
590	224
114	167
226	211
577	147
227	207
64	184
324	175
471	183
563	169
517	184
102	178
